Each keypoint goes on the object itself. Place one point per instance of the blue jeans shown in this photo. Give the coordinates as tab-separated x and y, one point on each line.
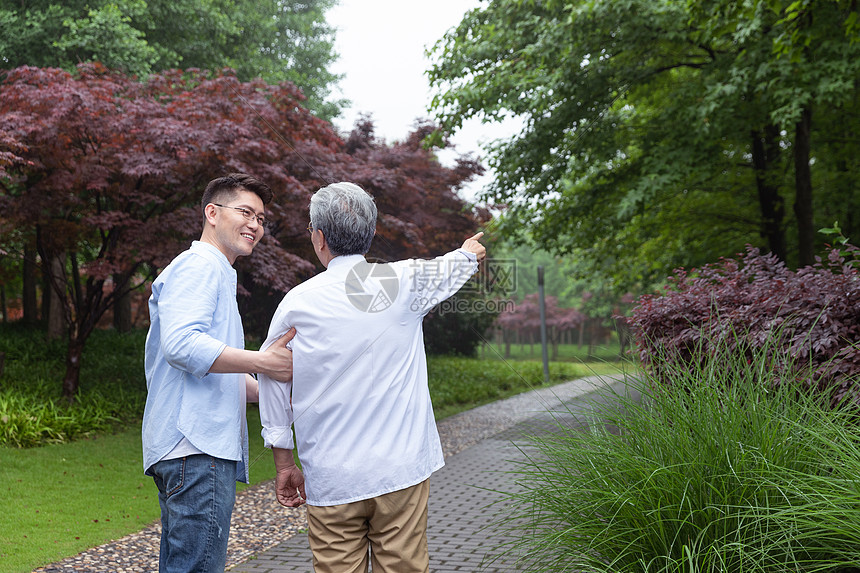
196	494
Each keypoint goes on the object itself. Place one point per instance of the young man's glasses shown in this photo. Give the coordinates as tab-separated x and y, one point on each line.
248	214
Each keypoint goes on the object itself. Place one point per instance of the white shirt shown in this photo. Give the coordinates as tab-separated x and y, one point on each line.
361	407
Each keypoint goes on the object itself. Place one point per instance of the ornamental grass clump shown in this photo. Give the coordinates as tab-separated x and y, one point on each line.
724	467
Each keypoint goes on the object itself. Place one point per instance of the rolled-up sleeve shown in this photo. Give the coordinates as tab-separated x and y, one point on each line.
186	307
276	415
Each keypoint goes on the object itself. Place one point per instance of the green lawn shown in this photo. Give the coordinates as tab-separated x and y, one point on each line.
60	499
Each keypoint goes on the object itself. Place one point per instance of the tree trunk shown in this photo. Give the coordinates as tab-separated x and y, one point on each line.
74	353
28	276
765	156
803	191
624	336
3	303
121	306
56	306
592	330
46	296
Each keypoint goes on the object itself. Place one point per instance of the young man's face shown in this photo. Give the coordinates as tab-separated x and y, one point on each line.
235	235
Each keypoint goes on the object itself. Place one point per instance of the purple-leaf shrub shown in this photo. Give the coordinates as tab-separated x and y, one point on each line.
755	303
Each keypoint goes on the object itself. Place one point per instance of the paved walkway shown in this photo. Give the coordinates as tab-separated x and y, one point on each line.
465	494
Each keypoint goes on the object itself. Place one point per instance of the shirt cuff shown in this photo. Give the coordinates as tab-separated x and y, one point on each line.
205	353
469	255
278	437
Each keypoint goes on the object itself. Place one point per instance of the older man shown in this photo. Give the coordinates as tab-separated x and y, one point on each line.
359	401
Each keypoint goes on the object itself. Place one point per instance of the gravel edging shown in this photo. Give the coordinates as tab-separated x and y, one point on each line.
259	522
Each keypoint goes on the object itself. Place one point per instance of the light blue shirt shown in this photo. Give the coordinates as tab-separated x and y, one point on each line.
359	399
193	316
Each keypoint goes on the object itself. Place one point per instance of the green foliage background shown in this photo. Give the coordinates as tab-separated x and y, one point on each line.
272	39
662	134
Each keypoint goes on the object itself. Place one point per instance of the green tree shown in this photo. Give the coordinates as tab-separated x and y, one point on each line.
276	40
520	263
660	134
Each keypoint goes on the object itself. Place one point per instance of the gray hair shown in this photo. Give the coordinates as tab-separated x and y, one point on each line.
346	214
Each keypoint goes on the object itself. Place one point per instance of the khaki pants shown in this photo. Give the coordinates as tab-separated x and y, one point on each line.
393	526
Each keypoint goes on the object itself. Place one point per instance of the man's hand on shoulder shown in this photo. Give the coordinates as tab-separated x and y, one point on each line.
279	358
473	246
276	362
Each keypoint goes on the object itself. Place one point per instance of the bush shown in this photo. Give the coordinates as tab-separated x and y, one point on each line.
455	328
748	304
32	409
723	471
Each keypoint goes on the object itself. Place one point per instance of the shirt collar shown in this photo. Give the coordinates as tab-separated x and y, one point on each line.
212	249
342	260
212	253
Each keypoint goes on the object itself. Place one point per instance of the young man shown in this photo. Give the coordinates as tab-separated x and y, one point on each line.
195	438
359	400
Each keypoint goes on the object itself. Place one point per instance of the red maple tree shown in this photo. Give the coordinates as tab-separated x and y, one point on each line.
104	173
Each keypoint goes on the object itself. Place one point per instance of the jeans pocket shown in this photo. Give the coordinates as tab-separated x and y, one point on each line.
170	476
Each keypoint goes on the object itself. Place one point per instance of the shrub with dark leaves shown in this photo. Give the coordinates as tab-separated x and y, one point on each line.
808	319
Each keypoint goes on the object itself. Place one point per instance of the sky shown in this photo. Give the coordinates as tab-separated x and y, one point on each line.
381	45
